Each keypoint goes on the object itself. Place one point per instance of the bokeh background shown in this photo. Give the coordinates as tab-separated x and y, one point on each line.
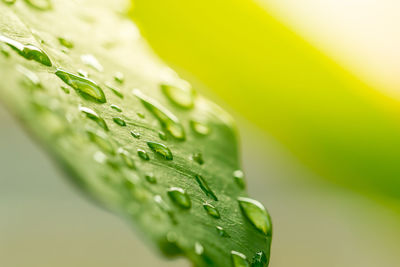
314	88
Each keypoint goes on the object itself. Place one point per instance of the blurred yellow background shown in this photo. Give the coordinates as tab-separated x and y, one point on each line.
313	85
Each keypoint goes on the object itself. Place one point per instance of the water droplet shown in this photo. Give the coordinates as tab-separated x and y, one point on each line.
114	90
92	62
238	175
82	73
239	259
198	157
65	89
86	88
42	5
119	77
221	232
150	178
32	78
161	150
29	51
66	42
259	260
165	207
179	96
169	121
140	115
143	154
200	128
100	157
9	2
115	107
162	136
101	142
179	197
127	158
255	212
204	186
91	114
119	121
211	210
198	248
135	134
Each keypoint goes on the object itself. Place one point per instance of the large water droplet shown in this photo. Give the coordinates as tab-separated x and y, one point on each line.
169	121
127	158
101	141
259	260
32	78
200	128
238	175
86	88
91	114
179	197
205	188
66	42
221	232
179	96
211	210
92	62
42	5
119	121
198	157
239	259
29	51
161	150
143	154
255	212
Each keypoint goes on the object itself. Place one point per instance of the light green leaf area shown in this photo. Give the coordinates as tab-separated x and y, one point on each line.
129	132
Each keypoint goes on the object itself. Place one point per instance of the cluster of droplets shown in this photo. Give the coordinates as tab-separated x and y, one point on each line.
184	98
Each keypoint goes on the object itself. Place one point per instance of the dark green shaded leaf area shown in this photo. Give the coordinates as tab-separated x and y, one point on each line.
128	131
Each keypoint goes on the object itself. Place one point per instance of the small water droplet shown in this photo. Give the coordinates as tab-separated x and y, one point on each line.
183	97
238	175
127	158
140	115
165	207
101	142
221	232
255	212
198	157
42	5
82	73
86	88
66	42
135	134
200	128
28	51
114	90
100	157
161	150
259	260
239	259
115	107
119	77
119	121
143	154
162	135
9	2
198	248
91	114
179	197
65	89
205	188
150	178
31	77
211	210
92	62
168	121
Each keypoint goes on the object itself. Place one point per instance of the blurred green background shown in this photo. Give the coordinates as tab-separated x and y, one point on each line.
313	86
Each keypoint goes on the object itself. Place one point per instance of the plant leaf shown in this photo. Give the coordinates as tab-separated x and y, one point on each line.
130	133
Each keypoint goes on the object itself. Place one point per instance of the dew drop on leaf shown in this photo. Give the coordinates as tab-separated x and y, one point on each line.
238	175
143	154
42	5
91	61
150	178
115	107
255	212
114	90
198	157
119	121
161	150
179	197
162	135
198	248
211	210
168	121
83	73
28	51
127	158
86	88
9	2
30	76
182	97
221	232
91	114
65	42
239	259
200	128
119	77
259	260
101	142
135	134
205	188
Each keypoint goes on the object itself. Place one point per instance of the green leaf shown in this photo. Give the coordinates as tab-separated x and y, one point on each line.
131	135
